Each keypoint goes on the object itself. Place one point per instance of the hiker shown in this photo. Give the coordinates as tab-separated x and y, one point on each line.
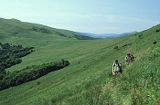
129	58
116	68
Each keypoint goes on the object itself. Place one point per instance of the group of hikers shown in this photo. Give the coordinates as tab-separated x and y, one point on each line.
117	67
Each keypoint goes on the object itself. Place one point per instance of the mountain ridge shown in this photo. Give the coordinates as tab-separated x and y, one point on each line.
17	28
110	35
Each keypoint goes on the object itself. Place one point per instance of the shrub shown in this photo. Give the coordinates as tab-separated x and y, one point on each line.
127	44
140	36
157	30
155	42
116	48
11	54
41	30
25	75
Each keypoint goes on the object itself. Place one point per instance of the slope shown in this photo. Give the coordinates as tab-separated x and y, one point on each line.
87	81
12	30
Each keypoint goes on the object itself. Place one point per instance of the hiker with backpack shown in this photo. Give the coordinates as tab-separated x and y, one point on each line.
129	58
116	68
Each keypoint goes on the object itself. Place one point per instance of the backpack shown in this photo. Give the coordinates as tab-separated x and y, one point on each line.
117	68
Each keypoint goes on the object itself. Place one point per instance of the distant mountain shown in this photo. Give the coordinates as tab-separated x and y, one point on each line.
84	36
15	28
101	36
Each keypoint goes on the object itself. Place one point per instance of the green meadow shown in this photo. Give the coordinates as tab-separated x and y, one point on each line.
87	80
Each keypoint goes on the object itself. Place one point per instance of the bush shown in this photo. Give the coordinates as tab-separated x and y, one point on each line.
140	36
157	30
155	42
41	30
25	75
127	44
10	54
116	48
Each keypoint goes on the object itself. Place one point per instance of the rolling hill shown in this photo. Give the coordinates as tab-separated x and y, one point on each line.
87	80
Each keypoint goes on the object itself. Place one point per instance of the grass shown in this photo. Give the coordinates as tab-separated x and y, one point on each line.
88	80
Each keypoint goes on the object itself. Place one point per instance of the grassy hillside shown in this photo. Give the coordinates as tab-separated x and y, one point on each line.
12	30
87	80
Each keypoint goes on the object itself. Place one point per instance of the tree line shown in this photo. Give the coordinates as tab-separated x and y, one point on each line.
10	55
30	73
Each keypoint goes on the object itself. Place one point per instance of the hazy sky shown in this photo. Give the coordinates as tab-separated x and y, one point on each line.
96	16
